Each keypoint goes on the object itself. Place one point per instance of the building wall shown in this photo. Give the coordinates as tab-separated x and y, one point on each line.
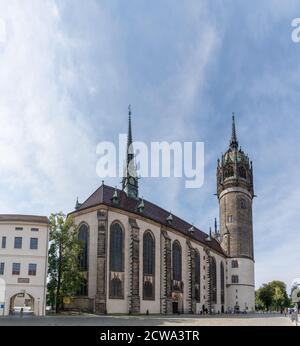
32	285
153	306
242	293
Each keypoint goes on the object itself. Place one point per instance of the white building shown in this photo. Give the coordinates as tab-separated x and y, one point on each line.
23	263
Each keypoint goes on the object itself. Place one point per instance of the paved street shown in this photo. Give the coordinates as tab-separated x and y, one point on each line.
93	320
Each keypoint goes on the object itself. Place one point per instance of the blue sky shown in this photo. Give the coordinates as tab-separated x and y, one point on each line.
69	69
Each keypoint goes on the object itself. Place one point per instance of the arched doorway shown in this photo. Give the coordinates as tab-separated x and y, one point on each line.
21	301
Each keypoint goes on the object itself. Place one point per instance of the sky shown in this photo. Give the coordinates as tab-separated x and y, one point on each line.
69	69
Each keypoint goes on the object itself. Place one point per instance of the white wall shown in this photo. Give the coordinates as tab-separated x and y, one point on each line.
37	284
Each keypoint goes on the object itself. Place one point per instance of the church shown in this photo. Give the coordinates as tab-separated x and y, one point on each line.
140	258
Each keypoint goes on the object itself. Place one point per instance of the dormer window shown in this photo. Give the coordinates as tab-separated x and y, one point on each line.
169	219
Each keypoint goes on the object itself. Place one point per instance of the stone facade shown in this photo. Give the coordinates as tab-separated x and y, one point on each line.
225	268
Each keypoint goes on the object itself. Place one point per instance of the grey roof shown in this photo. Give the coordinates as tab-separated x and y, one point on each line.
24	218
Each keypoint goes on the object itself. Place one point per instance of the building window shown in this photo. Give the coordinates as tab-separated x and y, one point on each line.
235	279
243	204
3	243
83	289
32	269
234	264
229	218
148	264
116	252
177	263
242	172
34	229
83	236
228	172
33	243
213	279
222	283
197	276
16	269
2	268
116	287
116	248
18	242
19	228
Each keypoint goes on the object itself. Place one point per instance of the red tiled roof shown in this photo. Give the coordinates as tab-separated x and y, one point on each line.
24	218
103	195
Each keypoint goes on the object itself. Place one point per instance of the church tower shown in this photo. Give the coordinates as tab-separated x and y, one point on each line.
235	194
130	179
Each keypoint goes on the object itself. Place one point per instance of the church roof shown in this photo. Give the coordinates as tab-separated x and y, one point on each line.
103	195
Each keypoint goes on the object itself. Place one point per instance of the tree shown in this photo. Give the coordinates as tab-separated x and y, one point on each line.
64	273
272	295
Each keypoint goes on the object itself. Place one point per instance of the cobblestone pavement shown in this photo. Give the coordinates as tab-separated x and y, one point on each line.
157	320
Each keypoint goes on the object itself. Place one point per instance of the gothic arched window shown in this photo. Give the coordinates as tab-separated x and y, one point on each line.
116	287
83	236
213	279
149	253
242	172
222	283
177	264
148	264
116	248
197	276
228	172
148	290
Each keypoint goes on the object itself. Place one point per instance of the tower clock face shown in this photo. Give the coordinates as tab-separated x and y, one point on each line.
131	181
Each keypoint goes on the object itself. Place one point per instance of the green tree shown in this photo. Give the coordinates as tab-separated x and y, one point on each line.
272	295
264	296
64	273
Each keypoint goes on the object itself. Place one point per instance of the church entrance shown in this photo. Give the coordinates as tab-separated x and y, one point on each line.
175	307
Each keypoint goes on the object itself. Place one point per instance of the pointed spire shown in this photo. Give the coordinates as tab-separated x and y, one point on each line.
77	205
130	180
129	134
216	226
233	141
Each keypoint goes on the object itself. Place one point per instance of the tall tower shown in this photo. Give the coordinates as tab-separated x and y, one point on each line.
130	179
235	194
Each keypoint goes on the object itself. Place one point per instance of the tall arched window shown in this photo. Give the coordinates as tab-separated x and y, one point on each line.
197	276
222	283
213	279
177	264
148	253
148	265
83	236
228	172
116	248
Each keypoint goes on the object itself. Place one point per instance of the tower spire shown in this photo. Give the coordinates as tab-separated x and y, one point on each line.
129	134
130	180
233	141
